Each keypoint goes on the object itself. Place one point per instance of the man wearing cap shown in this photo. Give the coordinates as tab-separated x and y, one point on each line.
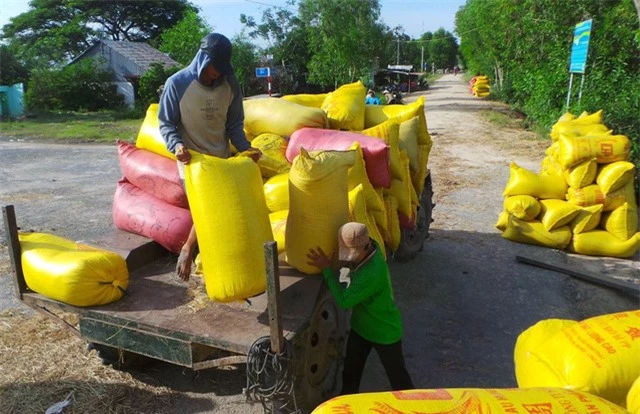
201	109
375	318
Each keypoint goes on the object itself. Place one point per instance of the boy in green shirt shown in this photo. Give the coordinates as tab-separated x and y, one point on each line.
375	318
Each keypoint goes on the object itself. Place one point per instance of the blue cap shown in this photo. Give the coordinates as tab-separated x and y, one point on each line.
218	48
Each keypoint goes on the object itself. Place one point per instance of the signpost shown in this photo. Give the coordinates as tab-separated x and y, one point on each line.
579	49
265	73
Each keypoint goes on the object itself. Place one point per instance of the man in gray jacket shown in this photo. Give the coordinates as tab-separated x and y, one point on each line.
201	110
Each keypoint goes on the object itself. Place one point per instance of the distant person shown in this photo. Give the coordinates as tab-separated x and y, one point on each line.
201	110
375	318
455	71
371	98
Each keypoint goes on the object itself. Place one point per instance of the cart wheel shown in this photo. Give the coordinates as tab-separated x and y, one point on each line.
320	352
411	241
118	358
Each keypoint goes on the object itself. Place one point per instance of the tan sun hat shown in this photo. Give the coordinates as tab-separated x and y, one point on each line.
352	239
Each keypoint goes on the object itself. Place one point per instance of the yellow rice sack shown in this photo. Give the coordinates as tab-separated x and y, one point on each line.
633	397
582	174
533	232
590	118
586	196
345	107
471	401
278	222
403	190
550	166
72	273
604	148
523	207
358	213
391	234
529	369
313	100
598	355
575	129
588	218
408	140
603	243
276	192
388	131
280	117
625	194
503	221
377	114
557	213
273	161
621	222
149	137
318	206
612	177
358	176
524	182
231	219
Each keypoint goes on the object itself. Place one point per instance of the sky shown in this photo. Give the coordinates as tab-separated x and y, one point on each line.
415	16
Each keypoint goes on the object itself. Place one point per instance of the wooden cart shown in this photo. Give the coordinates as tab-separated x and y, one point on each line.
155	320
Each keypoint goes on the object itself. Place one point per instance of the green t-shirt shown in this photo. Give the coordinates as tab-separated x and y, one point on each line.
374	315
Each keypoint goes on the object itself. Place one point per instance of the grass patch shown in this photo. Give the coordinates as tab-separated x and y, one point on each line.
99	127
506	119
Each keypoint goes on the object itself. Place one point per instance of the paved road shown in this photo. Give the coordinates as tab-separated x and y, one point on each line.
464	299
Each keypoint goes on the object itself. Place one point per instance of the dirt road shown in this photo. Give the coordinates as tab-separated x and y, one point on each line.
464	299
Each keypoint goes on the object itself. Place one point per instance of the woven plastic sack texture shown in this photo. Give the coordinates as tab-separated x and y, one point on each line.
149	137
232	224
136	211
280	117
318	205
598	355
345	107
72	273
313	100
152	173
375	151
471	401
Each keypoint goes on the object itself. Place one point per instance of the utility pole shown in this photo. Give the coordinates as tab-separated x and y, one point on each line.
422	60
398	53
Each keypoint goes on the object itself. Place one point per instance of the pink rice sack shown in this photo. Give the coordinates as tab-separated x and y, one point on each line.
374	150
136	211
152	173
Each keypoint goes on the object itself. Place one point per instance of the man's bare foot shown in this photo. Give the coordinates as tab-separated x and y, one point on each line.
183	267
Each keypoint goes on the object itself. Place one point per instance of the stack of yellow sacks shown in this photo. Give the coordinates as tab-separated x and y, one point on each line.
583	199
305	200
480	86
402	127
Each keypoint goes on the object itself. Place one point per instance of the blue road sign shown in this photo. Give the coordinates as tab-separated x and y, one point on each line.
580	47
262	72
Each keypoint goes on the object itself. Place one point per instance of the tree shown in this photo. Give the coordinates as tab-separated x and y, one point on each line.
181	42
288	41
443	49
344	38
11	71
525	46
52	32
244	61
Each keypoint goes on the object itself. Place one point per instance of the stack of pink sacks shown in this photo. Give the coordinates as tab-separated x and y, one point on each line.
149	199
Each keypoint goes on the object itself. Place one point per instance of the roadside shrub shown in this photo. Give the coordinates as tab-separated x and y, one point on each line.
151	84
81	86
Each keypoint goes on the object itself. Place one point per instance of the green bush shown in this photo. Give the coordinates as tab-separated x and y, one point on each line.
151	84
82	86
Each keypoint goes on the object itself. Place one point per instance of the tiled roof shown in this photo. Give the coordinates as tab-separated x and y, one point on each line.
140	53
